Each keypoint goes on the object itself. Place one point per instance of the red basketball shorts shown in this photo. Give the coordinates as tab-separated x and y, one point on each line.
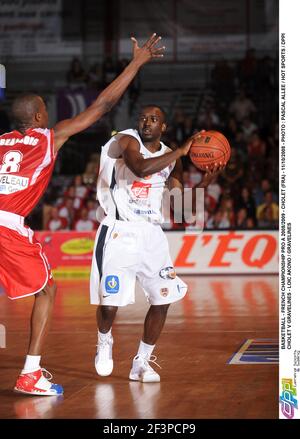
24	269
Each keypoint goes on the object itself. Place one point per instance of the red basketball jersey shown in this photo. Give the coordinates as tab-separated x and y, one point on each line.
26	165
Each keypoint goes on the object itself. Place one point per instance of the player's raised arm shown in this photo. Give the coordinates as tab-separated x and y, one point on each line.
111	94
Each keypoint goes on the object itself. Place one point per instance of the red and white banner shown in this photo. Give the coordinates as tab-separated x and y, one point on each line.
70	253
224	252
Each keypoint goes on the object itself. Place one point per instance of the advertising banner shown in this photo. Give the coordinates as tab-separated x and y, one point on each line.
70	253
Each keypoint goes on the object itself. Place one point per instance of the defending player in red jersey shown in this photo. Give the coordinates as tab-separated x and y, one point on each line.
27	157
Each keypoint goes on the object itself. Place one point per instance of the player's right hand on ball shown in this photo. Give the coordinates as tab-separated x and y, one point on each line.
185	148
148	51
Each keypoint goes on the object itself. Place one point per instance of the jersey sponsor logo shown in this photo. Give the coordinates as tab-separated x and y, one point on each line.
140	189
12	183
144	212
27	140
168	273
112	284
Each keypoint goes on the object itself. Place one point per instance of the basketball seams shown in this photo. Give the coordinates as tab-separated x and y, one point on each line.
223	148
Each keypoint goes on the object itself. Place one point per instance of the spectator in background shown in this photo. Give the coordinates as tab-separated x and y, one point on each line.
231	128
240	145
233	172
241	219
81	191
248	128
266	218
256	147
84	224
268	212
66	210
56	222
242	106
214	190
92	206
227	208
195	175
246	202
250	223
95	77
76	76
77	201
218	221
265	186
208	119
186	179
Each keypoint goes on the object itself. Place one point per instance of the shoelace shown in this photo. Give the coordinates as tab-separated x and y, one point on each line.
103	343
151	359
49	377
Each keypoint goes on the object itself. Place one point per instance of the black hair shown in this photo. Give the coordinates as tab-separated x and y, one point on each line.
24	108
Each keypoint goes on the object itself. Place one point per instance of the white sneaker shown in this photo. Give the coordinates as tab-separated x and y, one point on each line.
142	371
103	361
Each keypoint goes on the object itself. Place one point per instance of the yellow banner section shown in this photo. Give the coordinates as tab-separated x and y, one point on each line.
81	273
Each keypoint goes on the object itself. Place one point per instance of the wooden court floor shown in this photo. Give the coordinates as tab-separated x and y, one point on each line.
201	334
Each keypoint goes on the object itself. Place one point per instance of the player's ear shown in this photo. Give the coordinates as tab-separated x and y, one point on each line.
163	127
38	117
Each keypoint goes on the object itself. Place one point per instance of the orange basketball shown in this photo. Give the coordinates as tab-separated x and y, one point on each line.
210	148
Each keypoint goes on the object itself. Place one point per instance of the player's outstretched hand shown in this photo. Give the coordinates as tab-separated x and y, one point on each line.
211	174
148	51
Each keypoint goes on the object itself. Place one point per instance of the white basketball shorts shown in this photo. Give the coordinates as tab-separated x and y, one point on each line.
125	251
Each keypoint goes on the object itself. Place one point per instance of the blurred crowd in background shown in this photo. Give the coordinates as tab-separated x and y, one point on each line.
240	100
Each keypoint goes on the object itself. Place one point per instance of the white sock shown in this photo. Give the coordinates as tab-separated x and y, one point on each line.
102	336
145	350
32	363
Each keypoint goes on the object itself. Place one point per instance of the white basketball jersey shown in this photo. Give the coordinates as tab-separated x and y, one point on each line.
124	195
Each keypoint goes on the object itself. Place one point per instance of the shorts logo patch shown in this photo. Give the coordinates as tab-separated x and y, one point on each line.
112	284
164	292
168	273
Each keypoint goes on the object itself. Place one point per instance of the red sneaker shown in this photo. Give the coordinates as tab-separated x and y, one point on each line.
35	383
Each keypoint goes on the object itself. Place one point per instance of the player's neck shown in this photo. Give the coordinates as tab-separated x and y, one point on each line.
23	128
153	146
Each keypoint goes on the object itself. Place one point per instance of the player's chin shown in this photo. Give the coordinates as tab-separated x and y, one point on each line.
147	137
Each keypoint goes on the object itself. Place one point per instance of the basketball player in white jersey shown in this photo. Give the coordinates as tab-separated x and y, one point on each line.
130	244
27	158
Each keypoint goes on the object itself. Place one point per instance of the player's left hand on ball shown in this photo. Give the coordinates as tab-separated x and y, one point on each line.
148	51
211	173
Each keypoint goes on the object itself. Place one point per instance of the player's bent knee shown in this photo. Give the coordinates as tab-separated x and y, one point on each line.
108	310
49	290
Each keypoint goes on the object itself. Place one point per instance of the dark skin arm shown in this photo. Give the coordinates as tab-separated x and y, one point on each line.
110	95
142	167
